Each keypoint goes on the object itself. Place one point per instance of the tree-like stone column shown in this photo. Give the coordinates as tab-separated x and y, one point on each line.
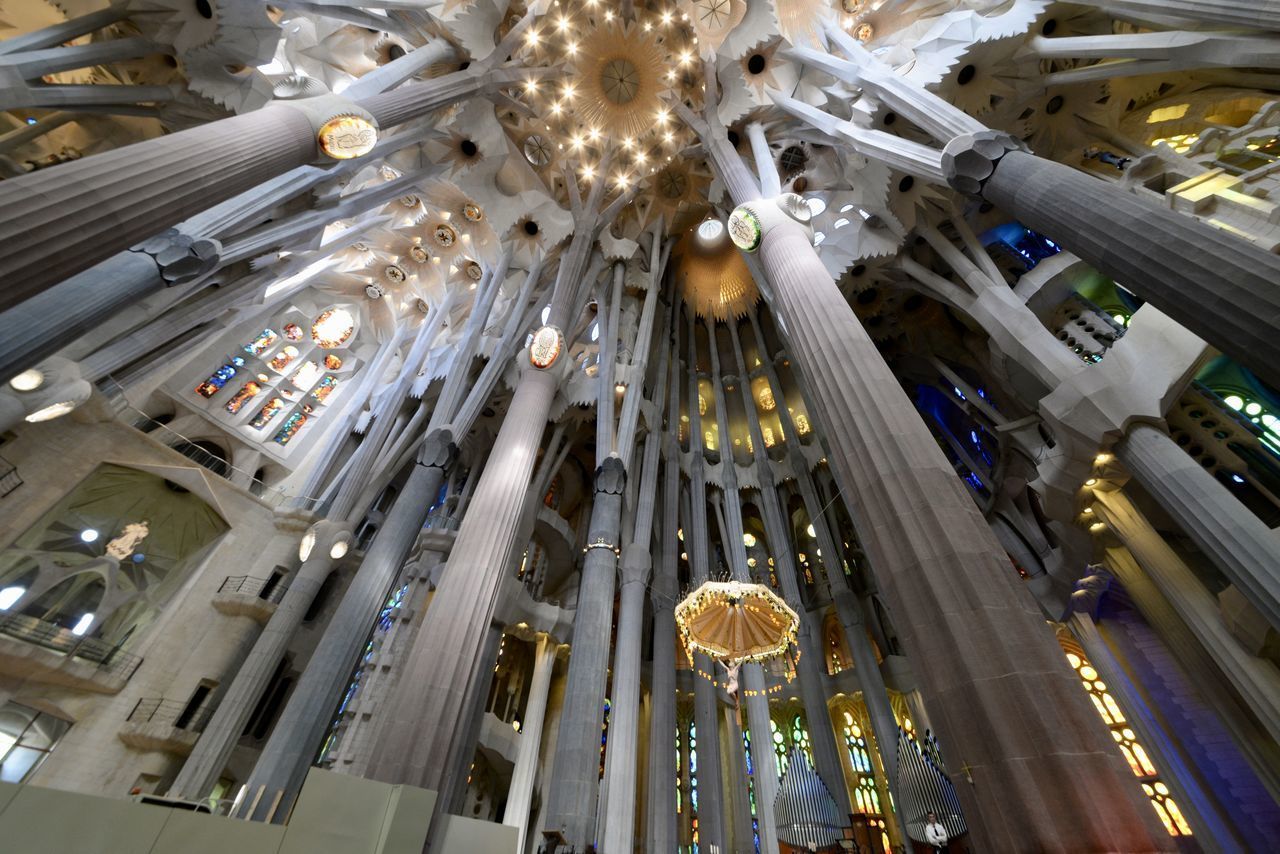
297	735
428	711
624	723
712	827
661	771
63	220
1216	285
1236	540
204	766
574	796
1254	680
520	793
976	638
624	731
754	691
1253	14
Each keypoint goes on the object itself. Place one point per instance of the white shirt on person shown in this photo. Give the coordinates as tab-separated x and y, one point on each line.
935	834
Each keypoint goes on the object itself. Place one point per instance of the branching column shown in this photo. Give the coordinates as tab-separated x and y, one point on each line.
297	735
577	774
661	805
1245	549
428	711
765	773
204	766
520	793
706	714
976	637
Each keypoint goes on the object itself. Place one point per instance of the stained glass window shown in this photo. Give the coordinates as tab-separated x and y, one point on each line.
332	328
261	344
290	428
1127	741
270	410
867	799
246	393
693	782
325	388
306	376
604	735
293	332
332	362
779	747
219	378
281	359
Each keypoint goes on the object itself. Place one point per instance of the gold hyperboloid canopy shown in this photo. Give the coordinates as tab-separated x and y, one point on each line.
711	274
735	622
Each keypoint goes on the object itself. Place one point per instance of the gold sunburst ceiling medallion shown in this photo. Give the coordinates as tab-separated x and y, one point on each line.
622	71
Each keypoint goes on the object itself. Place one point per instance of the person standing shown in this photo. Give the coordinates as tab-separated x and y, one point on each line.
935	835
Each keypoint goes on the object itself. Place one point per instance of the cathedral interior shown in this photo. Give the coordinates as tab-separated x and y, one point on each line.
566	426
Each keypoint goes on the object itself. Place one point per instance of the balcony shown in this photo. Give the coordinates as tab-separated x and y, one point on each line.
171	726
9	479
246	596
44	652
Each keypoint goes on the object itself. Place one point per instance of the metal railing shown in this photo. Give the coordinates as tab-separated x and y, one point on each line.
268	589
273	496
9	479
174	713
108	658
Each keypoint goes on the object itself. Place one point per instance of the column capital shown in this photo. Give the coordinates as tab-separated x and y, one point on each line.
636	564
611	477
438	450
970	159
663	591
180	258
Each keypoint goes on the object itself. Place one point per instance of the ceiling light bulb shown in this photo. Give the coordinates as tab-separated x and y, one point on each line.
29	380
49	413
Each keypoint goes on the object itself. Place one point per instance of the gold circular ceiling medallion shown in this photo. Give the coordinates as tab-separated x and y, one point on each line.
346	137
445	235
620	80
545	347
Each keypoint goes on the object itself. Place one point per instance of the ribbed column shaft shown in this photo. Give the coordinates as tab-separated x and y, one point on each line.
1251	14
63	220
977	640
523	776
826	756
619	825
428	710
200	772
1257	682
1239	544
884	725
753	690
577	766
297	735
661	775
1216	285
